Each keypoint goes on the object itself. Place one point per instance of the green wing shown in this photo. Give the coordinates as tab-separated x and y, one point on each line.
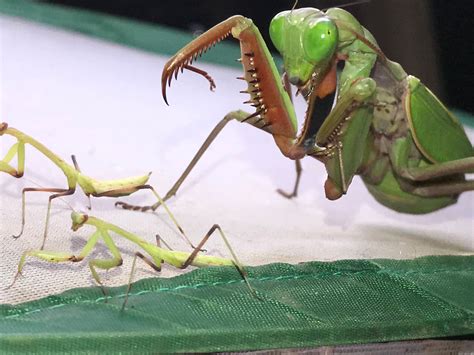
437	133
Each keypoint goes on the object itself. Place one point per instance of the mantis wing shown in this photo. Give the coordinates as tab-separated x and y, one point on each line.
437	133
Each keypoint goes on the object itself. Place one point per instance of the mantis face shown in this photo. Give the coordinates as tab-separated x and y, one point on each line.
307	40
78	220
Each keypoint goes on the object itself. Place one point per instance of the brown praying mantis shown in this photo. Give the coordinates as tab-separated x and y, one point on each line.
74	176
157	255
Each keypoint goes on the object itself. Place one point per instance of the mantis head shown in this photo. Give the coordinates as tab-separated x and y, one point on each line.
307	40
3	127
78	220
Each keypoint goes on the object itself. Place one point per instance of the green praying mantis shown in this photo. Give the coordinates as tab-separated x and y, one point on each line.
369	118
158	255
96	188
74	176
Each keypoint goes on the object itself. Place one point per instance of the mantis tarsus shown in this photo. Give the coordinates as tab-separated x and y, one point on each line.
158	255
370	119
74	176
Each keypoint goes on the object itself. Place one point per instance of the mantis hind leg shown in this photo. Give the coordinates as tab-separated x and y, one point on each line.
147	261
438	180
189	261
459	166
239	266
440	189
433	180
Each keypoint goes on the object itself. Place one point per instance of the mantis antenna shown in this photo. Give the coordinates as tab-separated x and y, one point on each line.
348	4
294	5
357	2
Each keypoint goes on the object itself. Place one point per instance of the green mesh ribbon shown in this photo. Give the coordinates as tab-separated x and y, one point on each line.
211	309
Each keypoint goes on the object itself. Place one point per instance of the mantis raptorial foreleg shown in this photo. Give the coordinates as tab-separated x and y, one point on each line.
17	149
298	167
56	257
105	264
256	119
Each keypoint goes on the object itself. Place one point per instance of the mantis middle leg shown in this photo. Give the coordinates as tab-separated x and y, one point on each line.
294	193
18	149
59	193
161	201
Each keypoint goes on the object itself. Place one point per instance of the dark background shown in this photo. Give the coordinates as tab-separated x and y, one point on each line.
432	39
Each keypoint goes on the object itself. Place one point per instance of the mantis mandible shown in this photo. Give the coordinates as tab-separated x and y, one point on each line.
158	255
370	118
74	176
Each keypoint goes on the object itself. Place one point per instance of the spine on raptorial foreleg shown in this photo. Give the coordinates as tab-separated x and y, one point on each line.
272	103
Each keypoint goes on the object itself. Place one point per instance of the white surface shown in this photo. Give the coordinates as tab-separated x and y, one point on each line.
103	103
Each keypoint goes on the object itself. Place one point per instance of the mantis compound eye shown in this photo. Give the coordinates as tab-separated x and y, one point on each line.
277	29
320	40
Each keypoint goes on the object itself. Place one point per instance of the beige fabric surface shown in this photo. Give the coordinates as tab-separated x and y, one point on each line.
103	103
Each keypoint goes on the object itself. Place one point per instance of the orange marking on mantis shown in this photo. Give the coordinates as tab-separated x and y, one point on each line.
329	82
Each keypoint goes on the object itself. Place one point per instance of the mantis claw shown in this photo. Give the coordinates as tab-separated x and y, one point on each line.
16	236
15	278
287	194
184	58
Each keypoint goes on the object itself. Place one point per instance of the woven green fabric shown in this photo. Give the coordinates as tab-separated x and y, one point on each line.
211	309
